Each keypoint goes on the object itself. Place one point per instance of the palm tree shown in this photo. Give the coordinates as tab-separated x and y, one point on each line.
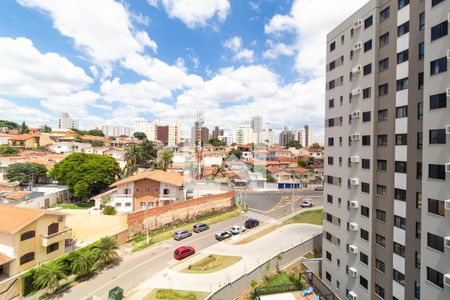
48	276
133	157
218	171
106	250
83	263
165	158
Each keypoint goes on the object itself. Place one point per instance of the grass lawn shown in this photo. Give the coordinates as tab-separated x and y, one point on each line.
257	235
311	217
156	236
166	294
211	264
80	205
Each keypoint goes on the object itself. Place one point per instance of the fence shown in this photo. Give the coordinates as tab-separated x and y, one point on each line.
234	288
318	285
10	288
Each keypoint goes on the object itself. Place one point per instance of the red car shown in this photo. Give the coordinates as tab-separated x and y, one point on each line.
183	252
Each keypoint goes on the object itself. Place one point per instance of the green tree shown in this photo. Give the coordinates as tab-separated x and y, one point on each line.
95	132
295	144
316	146
97	143
8	124
48	276
165	159
82	263
140	135
8	151
26	173
218	171
86	174
106	250
235	152
24	128
46	129
216	142
133	157
149	154
302	163
109	210
270	178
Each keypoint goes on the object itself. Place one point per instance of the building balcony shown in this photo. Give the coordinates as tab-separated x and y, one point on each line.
65	233
167	198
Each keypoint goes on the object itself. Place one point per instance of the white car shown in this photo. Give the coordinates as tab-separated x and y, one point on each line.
237	229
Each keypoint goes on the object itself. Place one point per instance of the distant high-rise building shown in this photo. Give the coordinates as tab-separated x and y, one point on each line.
268	137
116	131
127	131
286	136
65	122
168	134
226	139
256	123
305	136
147	127
105	130
199	133
216	132
243	135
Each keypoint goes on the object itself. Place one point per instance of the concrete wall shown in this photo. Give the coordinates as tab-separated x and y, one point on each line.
10	288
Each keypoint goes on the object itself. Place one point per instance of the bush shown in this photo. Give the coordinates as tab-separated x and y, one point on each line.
27	286
109	210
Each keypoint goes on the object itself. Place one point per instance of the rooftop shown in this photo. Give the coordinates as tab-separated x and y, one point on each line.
156	175
15	218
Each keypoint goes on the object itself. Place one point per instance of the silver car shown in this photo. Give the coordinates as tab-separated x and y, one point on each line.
181	234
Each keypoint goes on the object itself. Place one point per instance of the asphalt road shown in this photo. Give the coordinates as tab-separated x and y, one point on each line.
265	201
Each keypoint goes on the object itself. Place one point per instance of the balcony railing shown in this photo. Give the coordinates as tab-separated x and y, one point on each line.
167	198
63	234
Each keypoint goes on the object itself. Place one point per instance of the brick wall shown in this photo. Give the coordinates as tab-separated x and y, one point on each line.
158	217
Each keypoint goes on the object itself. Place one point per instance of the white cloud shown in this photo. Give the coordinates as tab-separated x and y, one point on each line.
277	49
240	54
18	113
75	103
280	23
195	13
26	72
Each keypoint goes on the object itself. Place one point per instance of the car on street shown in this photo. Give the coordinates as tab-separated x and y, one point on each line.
183	252
250	223
200	227
306	203
222	235
181	234
237	229
319	188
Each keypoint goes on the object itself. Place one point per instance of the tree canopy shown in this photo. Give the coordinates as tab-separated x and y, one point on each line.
235	152
9	124
86	174
216	142
316	146
295	144
46	129
140	135
94	132
8	151
26	173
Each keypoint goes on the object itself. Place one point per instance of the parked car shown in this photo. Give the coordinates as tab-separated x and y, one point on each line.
306	203
183	252
200	227
237	229
181	234
319	188
222	235
250	223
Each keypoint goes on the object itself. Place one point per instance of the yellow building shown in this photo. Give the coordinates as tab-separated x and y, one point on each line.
29	237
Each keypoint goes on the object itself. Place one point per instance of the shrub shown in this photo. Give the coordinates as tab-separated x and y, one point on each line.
109	210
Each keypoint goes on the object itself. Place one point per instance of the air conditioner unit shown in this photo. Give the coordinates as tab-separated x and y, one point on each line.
447	129
357	46
447	204
355	114
352	272
357	24
447	167
447	279
352	295
447	241
356	91
355	159
354	137
354	227
356	69
353	249
354	204
354	181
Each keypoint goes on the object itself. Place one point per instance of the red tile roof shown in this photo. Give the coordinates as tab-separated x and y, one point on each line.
156	175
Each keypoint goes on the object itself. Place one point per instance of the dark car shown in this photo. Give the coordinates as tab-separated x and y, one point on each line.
200	227
250	223
181	234
222	235
183	252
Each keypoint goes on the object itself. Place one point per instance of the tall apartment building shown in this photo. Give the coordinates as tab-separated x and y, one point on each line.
268	136
305	136
243	135
286	136
65	122
105	130
256	123
147	127
217	132
386	115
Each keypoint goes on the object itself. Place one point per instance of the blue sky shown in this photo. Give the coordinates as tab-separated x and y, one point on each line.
109	62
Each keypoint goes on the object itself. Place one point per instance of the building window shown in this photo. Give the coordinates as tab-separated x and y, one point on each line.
400	194
330	141
381	165
419	140
380	240
438	66
328	256
384	39
399	277
381	190
368	45
400	222
52	248
402	84
382	115
363	282
437	136
384	14
436	207
366	116
418	230
435	277
436	171
365	211
417	260
418	200
401	139
421	50
420	110
400	166
367	92
383	64
435	2
402	3
331	103
401	112
439	30
379	291
422	21
28	235
26	258
436	242
330	160
382	140
399	249
342	39
380	215
364	234
403	29
438	101
368	22
383	89
332	46
365	164
328	276
367	69
332	65
402	56
366	140
330	198
363	258
419	170
365	187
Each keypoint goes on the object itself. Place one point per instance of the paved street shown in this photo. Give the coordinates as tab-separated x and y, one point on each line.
266	200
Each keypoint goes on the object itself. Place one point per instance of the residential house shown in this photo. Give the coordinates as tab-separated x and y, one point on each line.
4	139
285	179
29	237
27	140
288	162
149	189
68	147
